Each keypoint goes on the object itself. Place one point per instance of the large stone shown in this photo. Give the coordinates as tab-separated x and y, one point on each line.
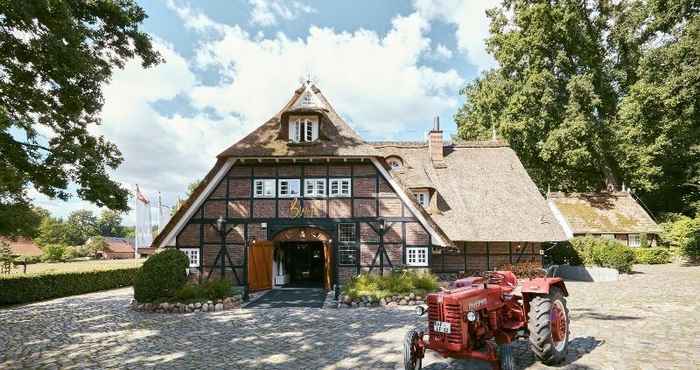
219	307
403	302
347	299
205	307
412	296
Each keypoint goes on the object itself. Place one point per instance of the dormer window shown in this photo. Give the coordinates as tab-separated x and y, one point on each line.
394	163
423	198
303	129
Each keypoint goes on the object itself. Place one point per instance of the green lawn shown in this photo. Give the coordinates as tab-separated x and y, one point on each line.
78	266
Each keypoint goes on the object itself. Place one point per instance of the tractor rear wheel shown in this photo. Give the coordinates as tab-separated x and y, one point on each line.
548	324
505	356
412	356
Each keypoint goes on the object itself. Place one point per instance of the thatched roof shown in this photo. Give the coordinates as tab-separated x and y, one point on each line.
336	137
603	213
484	192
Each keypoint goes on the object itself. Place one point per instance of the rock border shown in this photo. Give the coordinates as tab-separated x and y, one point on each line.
218	305
411	299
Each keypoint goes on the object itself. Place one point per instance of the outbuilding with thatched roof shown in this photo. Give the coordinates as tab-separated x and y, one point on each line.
613	215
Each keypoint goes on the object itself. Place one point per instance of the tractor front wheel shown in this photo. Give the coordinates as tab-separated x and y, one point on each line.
548	324
412	353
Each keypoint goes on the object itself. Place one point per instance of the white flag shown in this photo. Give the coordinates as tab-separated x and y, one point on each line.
144	233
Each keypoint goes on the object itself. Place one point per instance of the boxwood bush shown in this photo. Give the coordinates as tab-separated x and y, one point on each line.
652	256
161	276
16	289
398	283
604	253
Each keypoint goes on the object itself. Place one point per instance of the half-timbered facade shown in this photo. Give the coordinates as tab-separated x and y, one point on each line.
304	200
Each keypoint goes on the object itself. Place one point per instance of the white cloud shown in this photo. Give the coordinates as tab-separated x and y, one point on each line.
266	12
355	70
376	82
442	52
472	25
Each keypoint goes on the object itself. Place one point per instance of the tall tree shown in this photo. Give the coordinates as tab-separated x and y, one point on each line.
110	224
80	226
55	56
595	93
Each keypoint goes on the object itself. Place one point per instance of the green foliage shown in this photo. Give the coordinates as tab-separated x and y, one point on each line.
652	256
211	290
18	218
6	257
54	253
682	234
110	224
56	56
594	92
402	282
161	276
604	253
51	231
80	226
565	254
94	245
17	289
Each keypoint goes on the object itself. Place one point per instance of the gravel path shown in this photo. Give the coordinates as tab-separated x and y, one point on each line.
648	320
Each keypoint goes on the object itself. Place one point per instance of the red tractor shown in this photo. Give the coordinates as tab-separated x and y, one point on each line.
479	317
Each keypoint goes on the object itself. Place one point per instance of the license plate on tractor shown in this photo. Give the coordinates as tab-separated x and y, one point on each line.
442	327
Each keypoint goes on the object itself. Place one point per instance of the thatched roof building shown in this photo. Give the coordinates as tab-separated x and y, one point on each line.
611	214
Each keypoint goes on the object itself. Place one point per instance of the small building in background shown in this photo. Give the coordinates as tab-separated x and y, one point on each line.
611	215
116	248
22	247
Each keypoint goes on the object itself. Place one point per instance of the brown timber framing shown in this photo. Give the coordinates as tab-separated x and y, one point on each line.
203	217
440	265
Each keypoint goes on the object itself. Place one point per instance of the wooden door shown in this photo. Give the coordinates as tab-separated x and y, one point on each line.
327	265
260	265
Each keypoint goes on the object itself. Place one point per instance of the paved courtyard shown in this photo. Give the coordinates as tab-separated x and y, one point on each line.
648	320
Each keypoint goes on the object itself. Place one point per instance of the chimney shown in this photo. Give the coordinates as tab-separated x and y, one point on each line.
435	141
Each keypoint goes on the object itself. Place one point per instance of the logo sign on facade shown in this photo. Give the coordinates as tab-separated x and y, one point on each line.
296	210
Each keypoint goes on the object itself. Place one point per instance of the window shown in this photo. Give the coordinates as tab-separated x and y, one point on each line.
347	248
423	198
394	163
607	236
315	187
346	233
417	256
347	254
340	187
289	188
634	240
264	188
303	130
193	255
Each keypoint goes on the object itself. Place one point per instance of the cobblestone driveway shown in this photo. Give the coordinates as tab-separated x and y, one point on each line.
649	320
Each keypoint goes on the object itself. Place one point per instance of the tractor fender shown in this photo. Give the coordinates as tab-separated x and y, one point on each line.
542	286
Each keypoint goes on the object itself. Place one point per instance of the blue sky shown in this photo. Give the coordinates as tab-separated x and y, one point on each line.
388	67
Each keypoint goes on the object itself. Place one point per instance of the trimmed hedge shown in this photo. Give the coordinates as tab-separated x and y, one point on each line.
591	251
25	289
161	276
652	256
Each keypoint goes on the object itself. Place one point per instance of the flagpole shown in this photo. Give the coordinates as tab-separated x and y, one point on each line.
136	222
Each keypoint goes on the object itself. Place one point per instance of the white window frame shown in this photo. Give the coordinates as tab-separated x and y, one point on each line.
348	227
343	187
267	186
192	255
289	188
315	188
637	240
417	256
303	129
608	236
423	198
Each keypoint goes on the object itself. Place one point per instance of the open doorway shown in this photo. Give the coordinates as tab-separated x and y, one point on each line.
303	263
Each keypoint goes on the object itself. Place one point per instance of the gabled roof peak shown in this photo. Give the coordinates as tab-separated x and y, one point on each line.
308	99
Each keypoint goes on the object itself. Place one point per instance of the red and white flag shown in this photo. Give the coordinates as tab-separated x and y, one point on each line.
144	226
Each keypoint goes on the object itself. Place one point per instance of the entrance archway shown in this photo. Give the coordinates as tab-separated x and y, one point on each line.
308	254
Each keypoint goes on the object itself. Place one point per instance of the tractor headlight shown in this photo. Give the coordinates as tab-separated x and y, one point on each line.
471	316
420	310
